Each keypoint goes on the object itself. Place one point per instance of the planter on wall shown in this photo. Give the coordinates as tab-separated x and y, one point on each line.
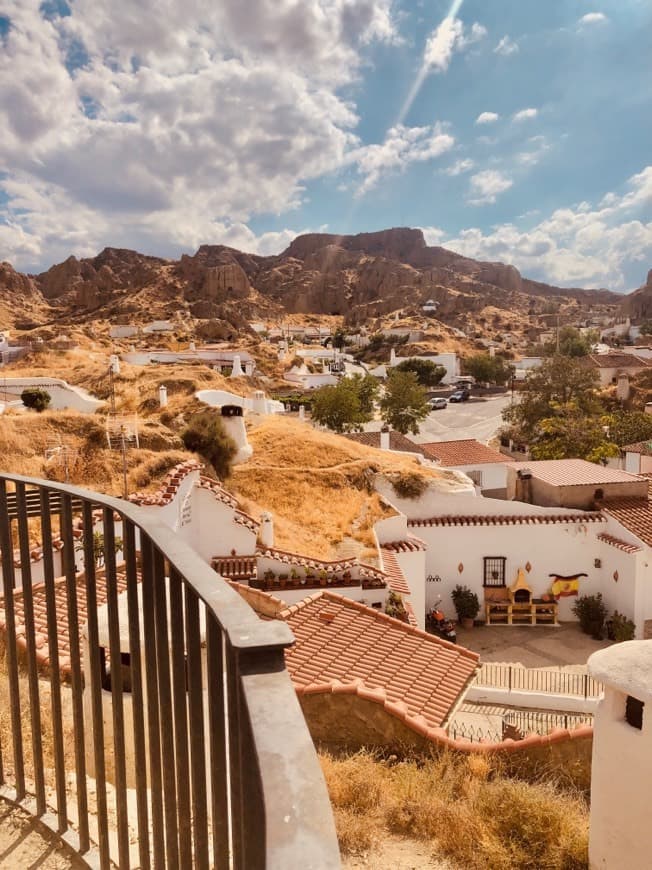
467	622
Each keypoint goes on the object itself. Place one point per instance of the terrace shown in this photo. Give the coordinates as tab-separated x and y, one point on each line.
193	752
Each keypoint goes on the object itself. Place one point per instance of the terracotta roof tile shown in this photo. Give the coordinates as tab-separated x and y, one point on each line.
644	447
574	472
416	676
411	544
396	578
396	441
635	514
508	519
618	543
465	451
616	361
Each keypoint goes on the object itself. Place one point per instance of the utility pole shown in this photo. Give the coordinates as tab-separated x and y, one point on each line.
557	333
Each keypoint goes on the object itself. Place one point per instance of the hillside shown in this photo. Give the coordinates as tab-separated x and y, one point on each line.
357	277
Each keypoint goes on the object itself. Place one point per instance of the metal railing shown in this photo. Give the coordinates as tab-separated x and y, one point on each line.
167	729
517	724
558	682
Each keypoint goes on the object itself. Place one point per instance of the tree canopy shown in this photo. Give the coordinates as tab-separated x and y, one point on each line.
572	342
487	369
428	373
347	405
405	403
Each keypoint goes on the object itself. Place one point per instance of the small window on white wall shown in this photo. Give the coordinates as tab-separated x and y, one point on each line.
634	712
476	477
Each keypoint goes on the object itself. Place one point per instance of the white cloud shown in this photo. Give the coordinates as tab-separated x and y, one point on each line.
486	186
402	147
593	18
459	167
487	118
584	246
171	127
538	147
525	114
506	46
448	38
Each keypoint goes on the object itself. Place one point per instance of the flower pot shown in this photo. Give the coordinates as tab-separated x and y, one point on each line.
467	622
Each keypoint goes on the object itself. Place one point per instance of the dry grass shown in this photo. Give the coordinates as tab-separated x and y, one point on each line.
467	808
317	484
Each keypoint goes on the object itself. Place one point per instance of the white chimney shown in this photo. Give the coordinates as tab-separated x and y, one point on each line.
266	532
114	363
492	350
302	412
236	371
193	347
392	357
163	396
384	438
259	404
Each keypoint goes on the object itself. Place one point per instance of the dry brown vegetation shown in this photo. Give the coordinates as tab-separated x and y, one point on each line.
317	484
467	808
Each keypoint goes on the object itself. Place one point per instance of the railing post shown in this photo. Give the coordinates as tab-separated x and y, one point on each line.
586	686
509	677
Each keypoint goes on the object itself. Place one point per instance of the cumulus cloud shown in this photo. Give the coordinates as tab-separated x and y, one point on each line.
593	18
525	114
584	245
402	147
487	118
450	37
506	46
459	167
486	186
172	126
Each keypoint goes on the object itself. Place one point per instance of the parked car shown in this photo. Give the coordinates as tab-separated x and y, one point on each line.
437	403
459	396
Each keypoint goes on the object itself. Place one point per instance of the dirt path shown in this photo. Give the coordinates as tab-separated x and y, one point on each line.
396	853
24	845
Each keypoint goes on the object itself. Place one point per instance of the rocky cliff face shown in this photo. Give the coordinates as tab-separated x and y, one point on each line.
358	276
638	305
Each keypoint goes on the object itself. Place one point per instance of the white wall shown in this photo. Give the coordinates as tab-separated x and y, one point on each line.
494	474
63	395
448	360
621	788
413	565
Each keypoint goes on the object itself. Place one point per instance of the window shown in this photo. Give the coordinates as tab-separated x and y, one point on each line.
634	712
494	571
476	477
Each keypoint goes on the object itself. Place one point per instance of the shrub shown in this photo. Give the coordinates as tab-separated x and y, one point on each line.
36	398
395	607
591	612
466	602
621	627
408	484
206	435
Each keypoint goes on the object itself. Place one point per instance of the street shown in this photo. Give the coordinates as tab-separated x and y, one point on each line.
477	418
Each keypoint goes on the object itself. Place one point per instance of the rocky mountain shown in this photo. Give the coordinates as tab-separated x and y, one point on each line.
638	305
358	276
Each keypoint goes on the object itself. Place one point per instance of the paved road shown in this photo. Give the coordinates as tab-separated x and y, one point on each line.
477	418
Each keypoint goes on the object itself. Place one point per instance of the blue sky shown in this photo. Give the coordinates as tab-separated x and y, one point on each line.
513	131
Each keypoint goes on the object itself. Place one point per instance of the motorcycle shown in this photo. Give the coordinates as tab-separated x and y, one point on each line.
436	623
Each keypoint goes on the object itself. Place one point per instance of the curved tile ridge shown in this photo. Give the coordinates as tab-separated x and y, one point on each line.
618	543
306	561
507	519
170	486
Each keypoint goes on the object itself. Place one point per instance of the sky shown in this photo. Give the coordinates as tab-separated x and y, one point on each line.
512	130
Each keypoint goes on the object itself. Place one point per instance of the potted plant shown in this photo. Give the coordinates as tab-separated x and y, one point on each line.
466	604
294	576
269	575
591	613
322	577
620	627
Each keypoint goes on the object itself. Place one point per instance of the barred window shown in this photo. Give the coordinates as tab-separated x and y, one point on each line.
494	571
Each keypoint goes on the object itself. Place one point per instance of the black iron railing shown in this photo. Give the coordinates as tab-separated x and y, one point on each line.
152	720
553	681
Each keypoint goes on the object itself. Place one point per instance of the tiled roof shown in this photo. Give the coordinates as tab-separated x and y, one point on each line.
235	567
508	520
411	544
466	451
616	361
618	543
344	646
634	514
396	441
264	603
574	472
644	447
395	576
169	488
306	561
61	608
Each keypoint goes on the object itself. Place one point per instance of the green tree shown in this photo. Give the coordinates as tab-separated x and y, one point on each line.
339	338
646	327
570	434
347	405
405	403
571	342
428	373
559	381
35	398
629	427
205	434
487	369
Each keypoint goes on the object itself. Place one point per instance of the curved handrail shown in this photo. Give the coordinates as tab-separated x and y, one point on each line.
210	705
